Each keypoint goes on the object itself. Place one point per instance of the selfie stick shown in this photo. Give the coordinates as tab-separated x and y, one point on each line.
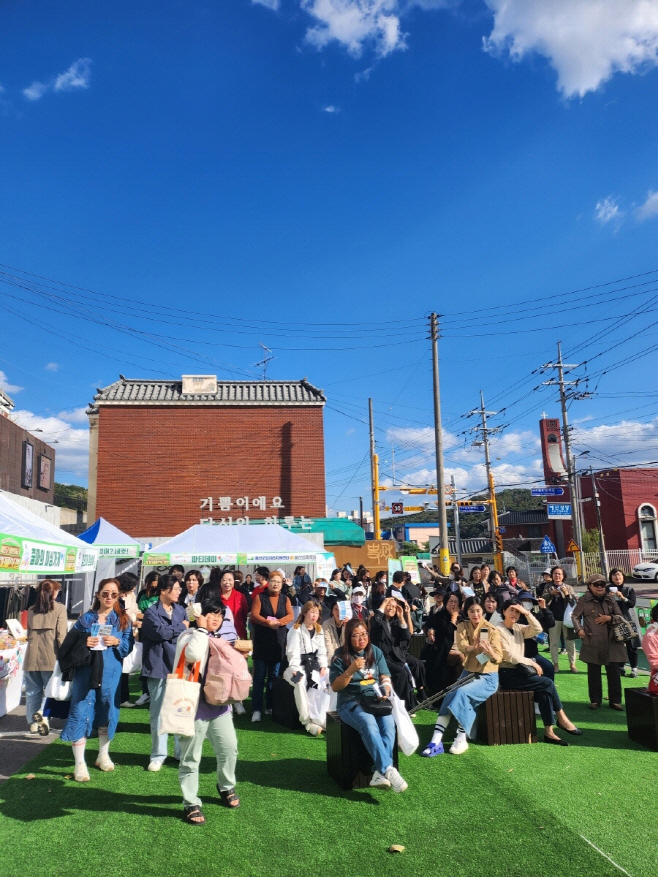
441	694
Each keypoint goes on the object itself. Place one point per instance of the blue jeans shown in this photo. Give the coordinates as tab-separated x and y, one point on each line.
35	685
377	733
263	669
159	741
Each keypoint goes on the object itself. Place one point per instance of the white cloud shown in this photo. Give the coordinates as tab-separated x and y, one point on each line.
628	441
607	210
77	415
52	367
271	4
649	209
331	109
7	386
355	23
77	76
71	444
586	41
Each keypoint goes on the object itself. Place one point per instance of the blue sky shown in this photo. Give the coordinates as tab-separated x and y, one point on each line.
319	175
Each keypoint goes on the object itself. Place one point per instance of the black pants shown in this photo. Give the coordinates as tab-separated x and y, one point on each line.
595	686
125	691
631	651
544	690
417	671
546	665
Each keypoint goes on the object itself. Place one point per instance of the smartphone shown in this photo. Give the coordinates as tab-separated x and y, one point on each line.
484	633
612	589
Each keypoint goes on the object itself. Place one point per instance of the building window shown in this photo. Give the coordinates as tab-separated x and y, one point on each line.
647	516
534	531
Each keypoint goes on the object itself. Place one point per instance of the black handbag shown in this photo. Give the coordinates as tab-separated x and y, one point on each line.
374	705
526	670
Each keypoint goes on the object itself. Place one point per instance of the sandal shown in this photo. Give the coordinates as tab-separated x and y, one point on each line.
229	798
432	749
191	815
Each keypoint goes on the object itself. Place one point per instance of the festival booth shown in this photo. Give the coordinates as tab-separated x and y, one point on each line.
113	545
240	545
29	547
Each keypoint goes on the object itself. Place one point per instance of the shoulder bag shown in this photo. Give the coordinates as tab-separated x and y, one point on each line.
180	702
624	631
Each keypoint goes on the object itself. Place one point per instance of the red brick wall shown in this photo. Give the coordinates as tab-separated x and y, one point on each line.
622	492
11	460
155	464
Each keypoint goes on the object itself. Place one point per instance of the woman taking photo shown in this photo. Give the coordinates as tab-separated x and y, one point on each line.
518	673
307	654
46	630
593	618
559	595
475	636
443	661
163	623
625	597
356	668
192	581
212	722
390	631
271	611
98	708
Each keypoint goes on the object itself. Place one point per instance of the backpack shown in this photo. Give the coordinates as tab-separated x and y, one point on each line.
227	679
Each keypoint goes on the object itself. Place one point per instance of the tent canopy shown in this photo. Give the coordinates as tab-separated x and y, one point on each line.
28	544
110	541
238	543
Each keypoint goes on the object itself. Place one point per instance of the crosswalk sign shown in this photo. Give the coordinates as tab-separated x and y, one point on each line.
547	546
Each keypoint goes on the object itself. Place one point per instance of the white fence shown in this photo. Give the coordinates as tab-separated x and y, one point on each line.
530	571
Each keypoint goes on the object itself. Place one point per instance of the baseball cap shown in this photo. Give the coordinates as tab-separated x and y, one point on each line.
358	590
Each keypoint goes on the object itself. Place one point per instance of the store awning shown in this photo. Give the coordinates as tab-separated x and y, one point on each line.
28	544
336	531
235	544
110	541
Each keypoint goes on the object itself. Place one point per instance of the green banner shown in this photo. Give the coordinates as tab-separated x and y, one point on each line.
20	555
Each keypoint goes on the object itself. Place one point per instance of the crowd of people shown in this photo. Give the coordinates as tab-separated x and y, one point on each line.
347	638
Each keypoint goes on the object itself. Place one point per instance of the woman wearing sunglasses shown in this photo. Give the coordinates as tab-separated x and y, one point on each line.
98	708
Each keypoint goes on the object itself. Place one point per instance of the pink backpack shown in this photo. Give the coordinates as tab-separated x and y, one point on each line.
227	679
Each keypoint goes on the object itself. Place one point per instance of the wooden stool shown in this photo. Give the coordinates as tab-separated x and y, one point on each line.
416	645
348	761
284	708
507	717
642	717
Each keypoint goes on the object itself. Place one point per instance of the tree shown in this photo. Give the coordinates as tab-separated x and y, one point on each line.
408	549
591	542
71	496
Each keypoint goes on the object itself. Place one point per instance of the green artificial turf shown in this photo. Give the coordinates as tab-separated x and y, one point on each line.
510	811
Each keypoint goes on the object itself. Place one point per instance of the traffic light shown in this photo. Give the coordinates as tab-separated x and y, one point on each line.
499	542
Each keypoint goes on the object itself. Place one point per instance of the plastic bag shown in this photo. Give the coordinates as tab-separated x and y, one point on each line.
408	740
57	689
132	663
567	621
318	703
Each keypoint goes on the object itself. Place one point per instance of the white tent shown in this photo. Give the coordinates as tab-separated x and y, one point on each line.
110	540
236	544
28	544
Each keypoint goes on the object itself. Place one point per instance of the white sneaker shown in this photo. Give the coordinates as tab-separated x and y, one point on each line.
268	712
142	699
155	765
396	781
34	728
239	708
634	672
126	704
105	764
379	781
460	745
81	774
313	729
255	717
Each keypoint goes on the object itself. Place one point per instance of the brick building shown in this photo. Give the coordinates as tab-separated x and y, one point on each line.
629	504
27	464
165	454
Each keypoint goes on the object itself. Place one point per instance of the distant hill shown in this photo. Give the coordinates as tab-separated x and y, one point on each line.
511	499
71	496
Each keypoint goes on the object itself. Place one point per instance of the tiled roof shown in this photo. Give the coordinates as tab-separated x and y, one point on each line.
470	546
129	391
523	517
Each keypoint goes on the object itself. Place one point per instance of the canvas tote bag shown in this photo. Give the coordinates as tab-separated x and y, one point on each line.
180	702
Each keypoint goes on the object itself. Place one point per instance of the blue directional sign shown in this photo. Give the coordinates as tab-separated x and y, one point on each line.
560	511
547	491
547	546
471	508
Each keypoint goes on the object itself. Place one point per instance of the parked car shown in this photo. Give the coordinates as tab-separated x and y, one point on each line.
646	571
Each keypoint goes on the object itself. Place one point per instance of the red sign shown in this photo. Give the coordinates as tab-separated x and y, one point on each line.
397	508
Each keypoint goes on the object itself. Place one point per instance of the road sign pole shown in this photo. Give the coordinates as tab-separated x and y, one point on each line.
374	474
597	506
444	553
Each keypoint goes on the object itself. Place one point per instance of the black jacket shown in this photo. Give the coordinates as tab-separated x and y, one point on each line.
74	653
393	642
545	618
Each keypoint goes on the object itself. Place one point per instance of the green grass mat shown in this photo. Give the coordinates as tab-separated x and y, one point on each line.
511	811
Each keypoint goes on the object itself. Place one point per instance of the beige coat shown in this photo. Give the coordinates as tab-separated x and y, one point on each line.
45	634
332	638
465	636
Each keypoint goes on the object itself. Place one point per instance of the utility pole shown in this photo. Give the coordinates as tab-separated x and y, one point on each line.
374	475
566	432
485	431
455	510
361	513
597	506
444	553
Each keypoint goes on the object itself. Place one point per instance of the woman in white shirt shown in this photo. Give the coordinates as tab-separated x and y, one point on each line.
307	660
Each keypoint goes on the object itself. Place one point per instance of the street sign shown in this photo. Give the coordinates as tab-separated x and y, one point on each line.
547	546
547	491
502	529
397	508
471	508
572	546
560	511
415	508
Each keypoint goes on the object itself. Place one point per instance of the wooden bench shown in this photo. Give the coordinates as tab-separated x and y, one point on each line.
348	761
284	708
642	717
417	644
507	717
